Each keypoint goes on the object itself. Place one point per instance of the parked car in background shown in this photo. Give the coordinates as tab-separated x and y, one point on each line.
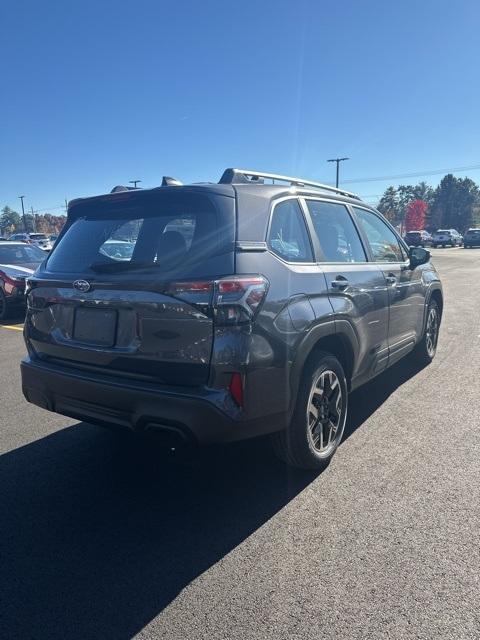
447	237
244	309
471	238
41	240
18	261
20	237
118	249
53	238
418	238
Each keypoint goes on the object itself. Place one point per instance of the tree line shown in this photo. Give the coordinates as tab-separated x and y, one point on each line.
454	204
12	222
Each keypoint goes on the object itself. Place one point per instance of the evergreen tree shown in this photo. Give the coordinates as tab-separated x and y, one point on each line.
454	204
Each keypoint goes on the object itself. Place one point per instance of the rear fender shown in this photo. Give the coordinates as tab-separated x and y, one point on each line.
337	329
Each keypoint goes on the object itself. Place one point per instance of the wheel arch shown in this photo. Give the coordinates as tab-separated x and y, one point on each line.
327	339
438	297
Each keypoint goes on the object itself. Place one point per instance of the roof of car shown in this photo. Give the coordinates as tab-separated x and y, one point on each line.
232	182
13	243
268	191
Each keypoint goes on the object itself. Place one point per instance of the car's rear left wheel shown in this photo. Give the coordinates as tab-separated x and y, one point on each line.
318	421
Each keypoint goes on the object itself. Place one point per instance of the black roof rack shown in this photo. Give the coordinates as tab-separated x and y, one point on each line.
247	176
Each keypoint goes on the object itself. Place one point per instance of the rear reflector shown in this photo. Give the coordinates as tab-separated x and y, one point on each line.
236	388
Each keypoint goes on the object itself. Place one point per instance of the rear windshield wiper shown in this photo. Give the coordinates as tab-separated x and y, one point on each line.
126	265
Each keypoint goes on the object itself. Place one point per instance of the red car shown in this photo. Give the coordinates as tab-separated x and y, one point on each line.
17	261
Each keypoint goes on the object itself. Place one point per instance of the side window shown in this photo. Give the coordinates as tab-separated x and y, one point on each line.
337	235
288	236
383	242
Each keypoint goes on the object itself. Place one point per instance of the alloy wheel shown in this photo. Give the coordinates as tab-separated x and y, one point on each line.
324	413
431	334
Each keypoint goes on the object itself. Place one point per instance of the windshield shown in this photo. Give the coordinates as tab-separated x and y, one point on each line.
179	234
21	254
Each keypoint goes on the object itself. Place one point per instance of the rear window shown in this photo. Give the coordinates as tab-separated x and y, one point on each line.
21	254
38	236
413	234
173	235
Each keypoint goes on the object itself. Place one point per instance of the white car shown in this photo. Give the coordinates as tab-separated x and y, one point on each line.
442	237
41	240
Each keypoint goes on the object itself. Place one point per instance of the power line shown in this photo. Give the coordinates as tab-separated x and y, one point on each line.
50	209
416	174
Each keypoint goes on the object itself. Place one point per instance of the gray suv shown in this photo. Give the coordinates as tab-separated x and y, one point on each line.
252	306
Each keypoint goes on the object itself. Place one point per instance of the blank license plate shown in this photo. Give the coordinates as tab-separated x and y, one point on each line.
95	326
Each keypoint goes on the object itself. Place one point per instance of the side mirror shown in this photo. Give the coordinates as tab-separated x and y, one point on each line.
418	256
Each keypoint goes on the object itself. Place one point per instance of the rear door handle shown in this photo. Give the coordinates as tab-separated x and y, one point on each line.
339	283
391	279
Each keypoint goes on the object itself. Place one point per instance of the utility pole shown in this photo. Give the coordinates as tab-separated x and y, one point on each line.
134	182
337	160
23	214
34	222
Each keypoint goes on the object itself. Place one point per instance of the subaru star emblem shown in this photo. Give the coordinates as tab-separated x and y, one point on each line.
82	285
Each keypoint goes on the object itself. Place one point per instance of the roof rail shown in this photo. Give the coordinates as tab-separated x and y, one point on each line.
247	176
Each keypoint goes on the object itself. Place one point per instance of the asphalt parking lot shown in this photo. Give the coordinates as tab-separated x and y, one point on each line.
103	537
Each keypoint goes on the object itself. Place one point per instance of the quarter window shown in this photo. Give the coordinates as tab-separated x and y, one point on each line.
336	233
384	244
288	236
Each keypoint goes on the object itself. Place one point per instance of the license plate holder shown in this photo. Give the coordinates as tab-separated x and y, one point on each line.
97	327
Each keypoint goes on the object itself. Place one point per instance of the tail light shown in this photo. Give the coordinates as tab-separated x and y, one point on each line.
11	283
234	299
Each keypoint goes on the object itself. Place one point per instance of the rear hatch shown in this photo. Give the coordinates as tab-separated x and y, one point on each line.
107	299
444	236
413	237
473	236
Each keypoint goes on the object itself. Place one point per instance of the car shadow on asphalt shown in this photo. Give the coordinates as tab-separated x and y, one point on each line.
100	532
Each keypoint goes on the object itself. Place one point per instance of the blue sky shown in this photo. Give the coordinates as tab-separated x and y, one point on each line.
96	93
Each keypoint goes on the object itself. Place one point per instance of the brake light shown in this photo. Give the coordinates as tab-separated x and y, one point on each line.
234	299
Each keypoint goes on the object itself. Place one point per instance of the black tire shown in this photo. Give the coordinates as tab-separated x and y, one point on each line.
426	349
3	306
296	445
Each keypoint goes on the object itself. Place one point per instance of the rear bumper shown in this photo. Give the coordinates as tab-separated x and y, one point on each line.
198	416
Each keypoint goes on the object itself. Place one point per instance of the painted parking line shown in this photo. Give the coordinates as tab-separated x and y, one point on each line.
12	327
